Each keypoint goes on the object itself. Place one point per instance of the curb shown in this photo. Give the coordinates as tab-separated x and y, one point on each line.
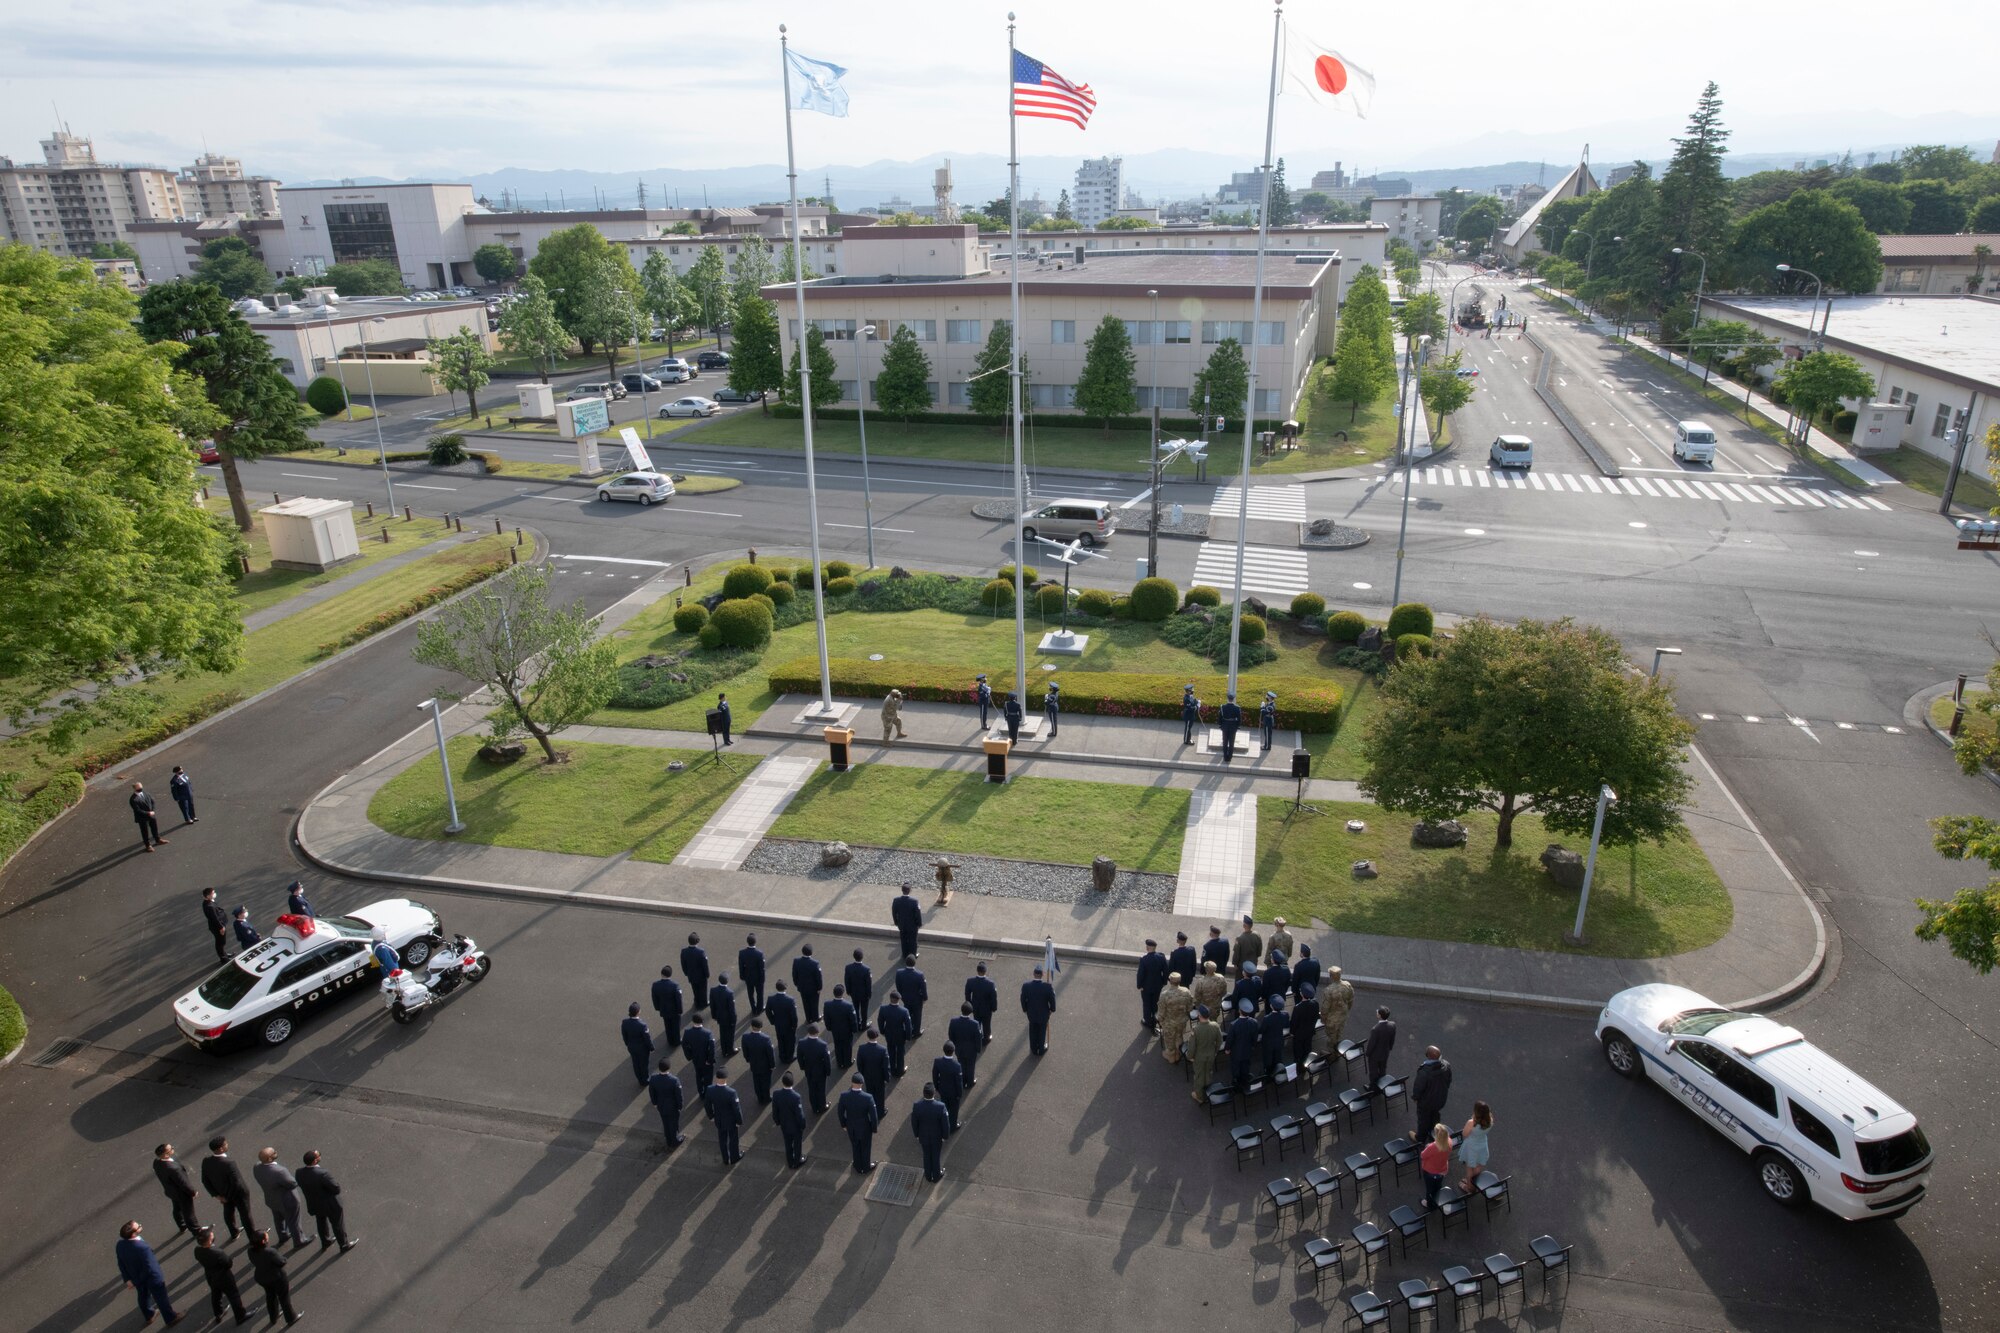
1917	713
1077	756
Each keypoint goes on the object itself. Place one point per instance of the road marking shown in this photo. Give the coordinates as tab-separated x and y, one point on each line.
1635	523
1266	569
861	527
1871	500
1867	554
563	499
1646	486
715	512
729	462
1475	532
413	486
1535	480
615	560
1634	454
1590	484
1485	478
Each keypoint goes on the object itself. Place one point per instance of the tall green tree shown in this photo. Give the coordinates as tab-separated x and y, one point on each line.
1364	359
1063	211
607	313
663	297
1818	381
753	270
530	327
1421	314
825	374
989	392
1450	735
757	362
228	265
114	250
903	386
495	263
258	408
1691	208
1477	221
576	265
786	271
1936	209
1969	921
1936	161
1811	230
109	567
1222	386
1283	214
707	283
365	277
463	365
1558	220
1108	385
1442	389
1881	204
1986	216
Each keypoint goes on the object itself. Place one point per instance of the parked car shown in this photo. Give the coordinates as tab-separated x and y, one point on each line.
596	389
674	370
637	383
712	360
209	453
728	395
1468	372
690	407
645	487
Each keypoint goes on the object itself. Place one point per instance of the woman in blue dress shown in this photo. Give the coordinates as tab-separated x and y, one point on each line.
1476	1152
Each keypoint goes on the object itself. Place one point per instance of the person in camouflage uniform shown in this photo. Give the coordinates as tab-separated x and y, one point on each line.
1176	1003
1209	988
1204	1045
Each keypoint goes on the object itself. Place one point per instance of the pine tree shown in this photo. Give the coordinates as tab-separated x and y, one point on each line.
1107	387
1691	208
825	374
903	386
1063	213
1282	212
990	394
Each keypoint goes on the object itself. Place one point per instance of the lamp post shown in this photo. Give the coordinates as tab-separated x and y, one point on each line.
1153	374
381	446
1451	315
444	763
1605	796
333	354
861	335
639	366
1658	653
1700	285
1413	368
1818	344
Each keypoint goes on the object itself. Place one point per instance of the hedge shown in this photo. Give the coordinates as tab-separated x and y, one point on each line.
402	611
1346	626
690	618
1303	703
742	580
1041	420
1029	575
1409	618
1413	645
839	569
20	819
842	586
1154	599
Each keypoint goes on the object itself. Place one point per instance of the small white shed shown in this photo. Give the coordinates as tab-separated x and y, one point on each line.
311	534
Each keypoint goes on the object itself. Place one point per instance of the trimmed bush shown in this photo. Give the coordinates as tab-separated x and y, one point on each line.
781	594
743	580
764	599
803	577
1029	573
997	595
741	623
1843	421
711	635
1304	703
843	586
1154	599
1094	602
1307	606
1121	608
839	569
1253	630
325	396
1360	659
1203	595
937	592
690	618
780	574
1050	599
1412	645
1409	618
1345	626
447	449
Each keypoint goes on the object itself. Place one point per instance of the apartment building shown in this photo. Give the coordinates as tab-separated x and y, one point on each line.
1100	190
72	203
215	186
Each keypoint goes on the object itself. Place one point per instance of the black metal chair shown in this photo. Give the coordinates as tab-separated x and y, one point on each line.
1418	1296
1284	1082
1219	1097
1255	1088
1551	1254
1453	1206
1367	1310
1356	1100
1324	1120
1409	1222
1394	1089
1314	1071
1361	1168
1495	1190
1372	1241
1283	1194
1288	1129
1324	1256
1246	1139
1402	1154
1321	1182
1505	1273
1352	1053
1463	1282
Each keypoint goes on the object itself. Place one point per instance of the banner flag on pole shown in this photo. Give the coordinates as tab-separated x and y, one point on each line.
1326	76
1049	964
819	85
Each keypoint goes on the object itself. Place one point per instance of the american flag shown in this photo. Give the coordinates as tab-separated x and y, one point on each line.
1040	91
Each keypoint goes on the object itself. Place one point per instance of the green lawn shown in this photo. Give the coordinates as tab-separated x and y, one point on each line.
1371	433
352	412
1920	472
13	1025
1975	724
1033	819
1646	902
608	800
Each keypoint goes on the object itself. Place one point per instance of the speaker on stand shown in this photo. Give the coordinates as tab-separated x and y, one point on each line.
1301	770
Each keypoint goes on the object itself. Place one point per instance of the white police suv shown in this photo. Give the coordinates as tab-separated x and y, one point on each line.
262	994
1814	1128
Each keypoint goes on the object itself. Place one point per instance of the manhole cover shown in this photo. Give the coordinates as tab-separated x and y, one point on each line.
57	1052
894	1184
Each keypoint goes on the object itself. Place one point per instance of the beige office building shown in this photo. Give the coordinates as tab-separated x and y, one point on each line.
215	186
71	202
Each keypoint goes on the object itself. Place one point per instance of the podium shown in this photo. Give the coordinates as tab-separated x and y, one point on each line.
839	744
997	749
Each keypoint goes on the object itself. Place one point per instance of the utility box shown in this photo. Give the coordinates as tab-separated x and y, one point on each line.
840	745
310	534
997	750
1879	427
538	400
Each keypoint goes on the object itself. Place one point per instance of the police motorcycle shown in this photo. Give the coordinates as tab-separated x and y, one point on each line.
447	967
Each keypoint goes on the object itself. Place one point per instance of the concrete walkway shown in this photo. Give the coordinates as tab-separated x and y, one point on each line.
1218	877
734	831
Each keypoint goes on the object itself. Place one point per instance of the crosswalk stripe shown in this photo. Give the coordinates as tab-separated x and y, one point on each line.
1265	569
1590	484
1813	500
1646	486
1791	495
1839	501
1465	476
1768	495
1573	483
1447	478
1686	489
1876	503
1626	482
1485	478
1280	503
1535	480
1706	493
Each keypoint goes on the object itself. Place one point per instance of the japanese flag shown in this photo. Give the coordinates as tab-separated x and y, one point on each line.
1325	75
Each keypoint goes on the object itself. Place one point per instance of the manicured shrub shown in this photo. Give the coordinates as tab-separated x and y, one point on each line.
1121	608
803	577
1154	599
1409	618
742	623
1050	599
690	618
781	594
1203	595
1412	645
781	574
839	569
1345	626
1843	421
711	635
1307	605
1253	629
1094	602
843	586
1030	574
742	580
447	449
325	396
997	595
764	600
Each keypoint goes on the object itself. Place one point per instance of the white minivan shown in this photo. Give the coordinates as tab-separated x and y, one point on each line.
1694	442
1511	451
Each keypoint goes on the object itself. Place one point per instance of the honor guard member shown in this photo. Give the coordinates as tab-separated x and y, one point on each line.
783	1011
1184	959
694	966
965	1033
722	1007
669	1101
761	1054
669	1004
1190	714
638	1042
1038	1002
948	1077
1012	711
859	1115
1277	1028
1231	717
985	693
1052	707
789	1110
931	1123
1305	972
816	1063
893	1021
750	971
860	983
698	1045
1215	949
726	1110
908	915
915	990
1267	717
871	1061
984	997
1152	980
722	707
843	1020
808	981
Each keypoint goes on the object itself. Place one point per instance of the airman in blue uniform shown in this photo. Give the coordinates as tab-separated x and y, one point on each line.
665	1091
783	1011
761	1054
726	1110
750	971
1014	714
893	1021
931	1123
1230	717
1190	714
808	981
1267	718
669	1004
816	1063
842	1021
970	1039
1052	707
985	693
860	1113
912	986
638	1040
789	1110
694	966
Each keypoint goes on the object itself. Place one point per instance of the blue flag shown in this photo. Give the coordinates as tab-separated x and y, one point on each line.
818	85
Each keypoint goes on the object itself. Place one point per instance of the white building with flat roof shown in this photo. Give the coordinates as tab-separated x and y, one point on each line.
1411	218
1100	190
336	339
418	228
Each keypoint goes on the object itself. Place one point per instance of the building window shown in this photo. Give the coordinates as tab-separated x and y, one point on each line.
1176	331
1910	402
1906	280
833	330
1171	400
1216	330
961	394
1895	395
1062	330
1140	331
924	329
961	331
849	391
1267	400
1942	422
1274	333
361	231
1051	395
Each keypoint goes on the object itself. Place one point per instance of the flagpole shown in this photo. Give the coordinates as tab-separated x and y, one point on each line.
1256	329
1014	375
826	709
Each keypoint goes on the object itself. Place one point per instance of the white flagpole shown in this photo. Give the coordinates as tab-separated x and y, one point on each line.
1014	377
826	709
1256	329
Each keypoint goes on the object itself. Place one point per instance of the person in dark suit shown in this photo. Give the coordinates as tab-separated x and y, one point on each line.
322	1195
669	1004
1381	1041
1014	715
965	1033
222	1180
1430	1086
218	924
722	707
984	692
181	787
842	1021
750	971
1242	1041
1190	714
1038	1002
948	1077
1184	959
859	1114
789	1110
239	924
872	1062
694	967
145	813
722	1008
1215	949
638	1040
1305	972
783	1011
1153	971
1277	1029
141	1271
808	981
984	997
908	914
913	987
296	901
816	1063
761	1054
1305	1022
281	1195
698	1045
893	1021
860	983
1277	976
931	1123
178	1182
722	1106
269	1267
1052	708
669	1100
1230	717
221	1276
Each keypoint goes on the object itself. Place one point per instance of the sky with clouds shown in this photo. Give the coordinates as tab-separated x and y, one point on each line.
448	88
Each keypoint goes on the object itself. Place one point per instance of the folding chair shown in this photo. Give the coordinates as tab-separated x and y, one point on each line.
1463	1283
1321	1182
1402	1154
1324	1121
1494	1189
1356	1100
1409	1222
1394	1089
1219	1097
1284	1082
1246	1139
1352	1052
1283	1194
1373	1241
1551	1254
1417	1296
1367	1310
1505	1273
1362	1168
1453	1206
1324	1256
1288	1129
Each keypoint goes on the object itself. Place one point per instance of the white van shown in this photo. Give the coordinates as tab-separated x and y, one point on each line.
1511	451
1090	521
1694	442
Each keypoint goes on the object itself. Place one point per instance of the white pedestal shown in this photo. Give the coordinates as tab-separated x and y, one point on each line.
1249	743
842	715
1061	643
1031	727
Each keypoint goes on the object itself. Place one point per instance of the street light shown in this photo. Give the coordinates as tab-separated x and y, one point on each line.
444	763
1153	373
1819	337
333	354
861	335
639	366
1658	653
381	446
1451	315
1414	368
1605	796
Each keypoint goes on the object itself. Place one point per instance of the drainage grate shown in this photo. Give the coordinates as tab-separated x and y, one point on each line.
894	1184
58	1051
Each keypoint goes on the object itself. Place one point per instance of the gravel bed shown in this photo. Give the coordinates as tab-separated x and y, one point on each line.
1339	539
1036	881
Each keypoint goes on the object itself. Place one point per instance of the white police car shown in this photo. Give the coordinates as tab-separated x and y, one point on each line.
1814	1128
305	963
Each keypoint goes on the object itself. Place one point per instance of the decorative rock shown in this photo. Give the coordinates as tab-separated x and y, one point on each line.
1193	609
1103	872
898	572
1320	527
1365	870
506	752
835	854
1255	606
1371	640
1357	826
1565	867
1441	833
